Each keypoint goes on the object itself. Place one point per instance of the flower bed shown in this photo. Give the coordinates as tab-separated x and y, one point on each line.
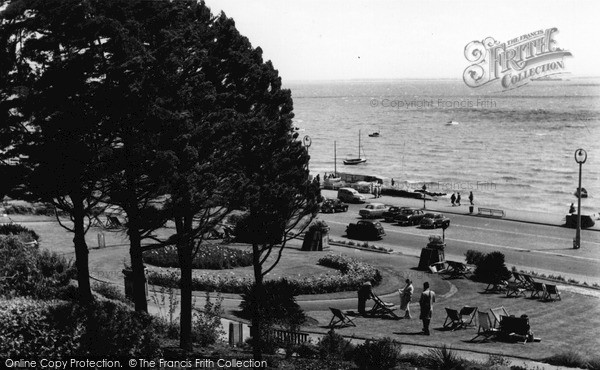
210	257
353	274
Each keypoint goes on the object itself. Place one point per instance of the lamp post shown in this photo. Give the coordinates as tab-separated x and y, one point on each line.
306	142
580	157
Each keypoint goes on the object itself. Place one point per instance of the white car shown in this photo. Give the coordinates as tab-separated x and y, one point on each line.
373	210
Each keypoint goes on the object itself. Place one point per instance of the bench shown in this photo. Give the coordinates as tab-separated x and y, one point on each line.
490	212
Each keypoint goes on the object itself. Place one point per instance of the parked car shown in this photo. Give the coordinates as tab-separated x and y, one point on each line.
365	230
434	220
410	216
391	213
333	205
373	210
350	195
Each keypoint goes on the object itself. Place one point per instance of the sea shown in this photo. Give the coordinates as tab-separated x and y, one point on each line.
513	149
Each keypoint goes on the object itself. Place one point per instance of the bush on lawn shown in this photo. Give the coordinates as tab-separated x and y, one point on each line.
27	271
211	257
335	348
474	257
207	323
24	234
492	268
380	354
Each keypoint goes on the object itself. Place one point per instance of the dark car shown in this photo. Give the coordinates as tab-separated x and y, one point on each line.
365	230
333	205
391	213
410	216
434	220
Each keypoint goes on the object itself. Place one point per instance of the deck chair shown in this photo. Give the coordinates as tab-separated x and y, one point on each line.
458	269
552	290
496	287
339	319
519	279
539	290
438	268
497	314
485	328
112	222
453	319
530	281
514	289
467	315
382	309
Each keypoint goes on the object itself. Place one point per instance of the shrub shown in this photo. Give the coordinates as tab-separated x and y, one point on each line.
569	359
333	347
27	331
207	324
25	234
492	268
40	209
110	291
381	354
474	257
213	257
444	358
278	304
28	272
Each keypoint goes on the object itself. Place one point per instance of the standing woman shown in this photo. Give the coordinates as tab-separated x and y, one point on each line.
405	298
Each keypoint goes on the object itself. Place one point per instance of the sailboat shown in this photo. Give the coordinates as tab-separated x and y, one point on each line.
333	177
353	161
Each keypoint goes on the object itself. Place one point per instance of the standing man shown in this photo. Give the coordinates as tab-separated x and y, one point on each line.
426	303
365	292
471	197
453	199
458	199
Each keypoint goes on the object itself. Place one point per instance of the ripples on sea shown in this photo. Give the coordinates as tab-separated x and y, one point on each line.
513	149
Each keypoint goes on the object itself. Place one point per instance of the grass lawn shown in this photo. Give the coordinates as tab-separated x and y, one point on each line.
570	324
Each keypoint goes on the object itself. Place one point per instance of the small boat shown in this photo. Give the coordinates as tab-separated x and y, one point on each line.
584	193
359	160
451	123
375	134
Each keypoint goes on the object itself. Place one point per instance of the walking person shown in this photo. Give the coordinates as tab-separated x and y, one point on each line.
458	199
572	208
471	197
426	303
406	297
453	199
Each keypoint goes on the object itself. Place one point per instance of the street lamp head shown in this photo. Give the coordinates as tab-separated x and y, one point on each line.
580	156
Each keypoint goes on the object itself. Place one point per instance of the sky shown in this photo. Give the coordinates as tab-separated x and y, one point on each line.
389	39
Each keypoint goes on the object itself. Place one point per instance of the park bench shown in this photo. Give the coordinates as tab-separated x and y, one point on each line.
490	212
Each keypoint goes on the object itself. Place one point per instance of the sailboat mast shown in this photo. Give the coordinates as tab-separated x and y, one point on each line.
358	144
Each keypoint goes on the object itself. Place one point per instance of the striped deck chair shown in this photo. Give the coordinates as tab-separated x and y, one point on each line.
529	279
485	328
467	315
339	319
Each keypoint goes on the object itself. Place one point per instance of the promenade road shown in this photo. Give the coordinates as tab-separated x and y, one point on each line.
536	243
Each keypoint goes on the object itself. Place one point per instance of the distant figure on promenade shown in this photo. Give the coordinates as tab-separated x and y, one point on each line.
572	208
365	292
392	181
426	303
458	199
424	187
453	199
471	197
406	297
318	178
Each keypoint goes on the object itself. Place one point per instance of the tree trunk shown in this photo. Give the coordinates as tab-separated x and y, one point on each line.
81	251
259	297
137	263
185	249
